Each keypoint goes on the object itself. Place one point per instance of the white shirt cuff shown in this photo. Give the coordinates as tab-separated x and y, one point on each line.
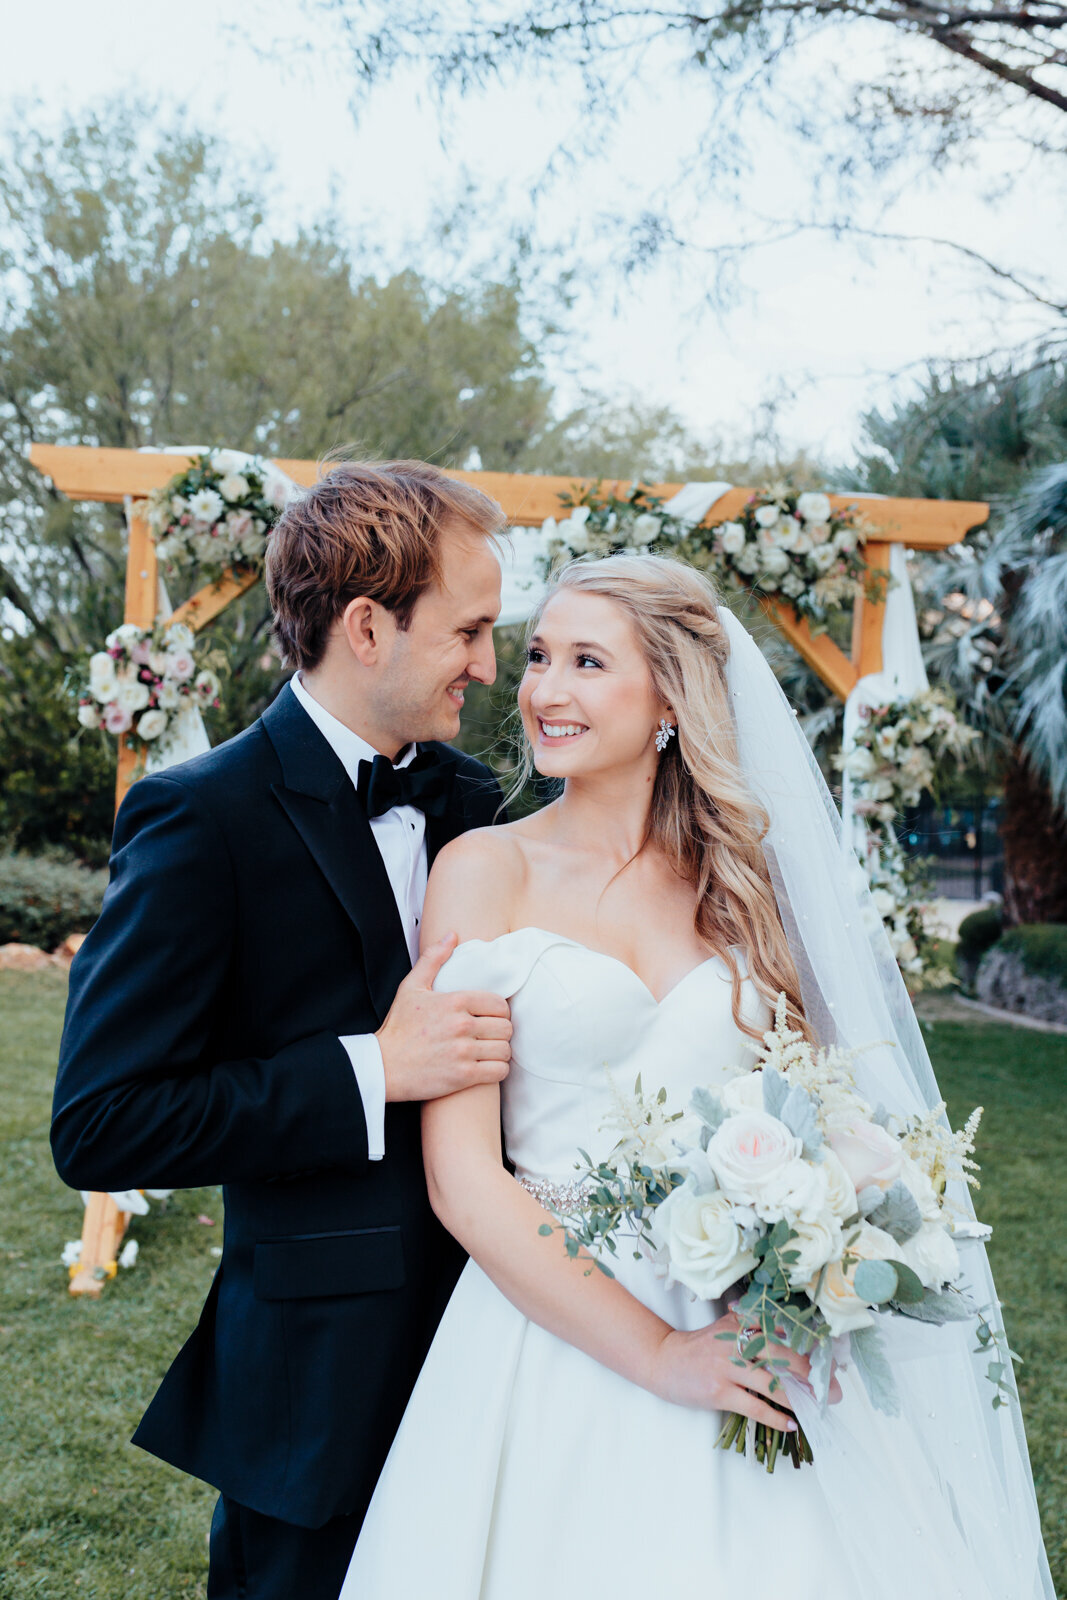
365	1054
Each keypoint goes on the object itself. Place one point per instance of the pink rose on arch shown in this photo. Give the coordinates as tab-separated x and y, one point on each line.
869	1155
116	720
180	665
238	524
140	653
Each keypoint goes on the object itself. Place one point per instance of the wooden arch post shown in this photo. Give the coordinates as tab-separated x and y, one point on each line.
129	476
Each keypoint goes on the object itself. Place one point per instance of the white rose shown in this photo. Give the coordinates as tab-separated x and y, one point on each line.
733	539
207	685
743	1093
646	527
151	724
775	562
884	903
840	1190
844	540
206	505
767	516
837	1299
797	1189
252	543
816	1243
180	665
932	1255
226	461
131	694
180	637
575	535
921	1190
793	585
278	490
870	1155
102	676
818	532
233	486
169	697
822	557
125	636
786	533
178	506
802	545
813	507
748	1149
704	1243
88	715
748	560
860	763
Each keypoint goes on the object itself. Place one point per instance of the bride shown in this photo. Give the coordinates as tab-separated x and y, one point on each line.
561	1439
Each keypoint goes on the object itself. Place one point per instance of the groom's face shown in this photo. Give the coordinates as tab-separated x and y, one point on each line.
448	644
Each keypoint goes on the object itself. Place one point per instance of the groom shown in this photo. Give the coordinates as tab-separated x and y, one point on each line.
246	1012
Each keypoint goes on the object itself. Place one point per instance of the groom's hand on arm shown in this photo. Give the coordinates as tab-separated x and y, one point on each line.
437	1044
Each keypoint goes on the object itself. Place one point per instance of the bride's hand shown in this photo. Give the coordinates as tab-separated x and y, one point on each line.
699	1369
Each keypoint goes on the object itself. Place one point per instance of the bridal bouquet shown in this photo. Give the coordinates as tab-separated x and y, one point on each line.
820	1212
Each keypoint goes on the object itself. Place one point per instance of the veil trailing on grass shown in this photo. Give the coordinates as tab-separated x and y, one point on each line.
949	1441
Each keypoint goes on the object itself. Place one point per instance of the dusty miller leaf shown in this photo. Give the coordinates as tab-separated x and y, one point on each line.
709	1108
875	1370
940	1305
898	1215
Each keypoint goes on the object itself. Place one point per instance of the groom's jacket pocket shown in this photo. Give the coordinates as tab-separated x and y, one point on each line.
310	1264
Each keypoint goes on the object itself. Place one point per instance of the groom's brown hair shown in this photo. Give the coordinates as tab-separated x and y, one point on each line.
365	528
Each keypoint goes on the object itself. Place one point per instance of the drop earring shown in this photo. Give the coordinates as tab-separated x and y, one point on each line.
665	735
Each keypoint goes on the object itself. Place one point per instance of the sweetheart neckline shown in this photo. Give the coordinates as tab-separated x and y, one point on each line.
604	955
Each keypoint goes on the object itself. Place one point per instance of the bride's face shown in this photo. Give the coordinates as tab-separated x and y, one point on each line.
586	696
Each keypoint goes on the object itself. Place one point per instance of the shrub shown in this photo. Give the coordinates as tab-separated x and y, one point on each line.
977	934
1026	971
42	899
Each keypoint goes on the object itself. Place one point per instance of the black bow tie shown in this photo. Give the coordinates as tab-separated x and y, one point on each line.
425	782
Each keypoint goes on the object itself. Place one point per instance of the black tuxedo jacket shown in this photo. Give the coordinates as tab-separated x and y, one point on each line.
248	923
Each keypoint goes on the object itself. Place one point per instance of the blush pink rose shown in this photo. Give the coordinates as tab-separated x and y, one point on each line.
869	1155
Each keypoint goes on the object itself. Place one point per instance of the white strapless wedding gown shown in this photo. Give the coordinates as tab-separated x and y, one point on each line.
525	1470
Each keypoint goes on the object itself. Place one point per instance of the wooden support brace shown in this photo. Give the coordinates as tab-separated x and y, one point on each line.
103	1226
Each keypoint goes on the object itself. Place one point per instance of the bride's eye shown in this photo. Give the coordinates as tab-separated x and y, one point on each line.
590	661
534	655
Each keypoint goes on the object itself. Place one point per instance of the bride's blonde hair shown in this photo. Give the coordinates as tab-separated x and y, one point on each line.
703	815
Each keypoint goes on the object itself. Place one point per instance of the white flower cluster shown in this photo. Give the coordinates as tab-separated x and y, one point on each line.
896	754
796	546
793	1142
142	678
219	512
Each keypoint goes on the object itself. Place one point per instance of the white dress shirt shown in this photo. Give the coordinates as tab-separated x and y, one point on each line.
400	835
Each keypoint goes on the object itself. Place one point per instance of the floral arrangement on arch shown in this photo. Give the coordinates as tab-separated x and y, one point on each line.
895	756
218	513
143	679
785	544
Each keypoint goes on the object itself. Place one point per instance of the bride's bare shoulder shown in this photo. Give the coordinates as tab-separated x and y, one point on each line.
476	880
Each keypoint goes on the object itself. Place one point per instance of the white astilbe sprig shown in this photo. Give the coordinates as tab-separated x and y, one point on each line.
645	1126
942	1154
825	1073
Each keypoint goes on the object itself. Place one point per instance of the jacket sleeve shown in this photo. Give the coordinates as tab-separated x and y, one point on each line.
139	1101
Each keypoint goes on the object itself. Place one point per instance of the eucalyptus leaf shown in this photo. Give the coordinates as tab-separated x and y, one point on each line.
898	1215
875	1281
910	1289
874	1369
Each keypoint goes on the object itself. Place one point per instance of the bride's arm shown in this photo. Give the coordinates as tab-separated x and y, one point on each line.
472	886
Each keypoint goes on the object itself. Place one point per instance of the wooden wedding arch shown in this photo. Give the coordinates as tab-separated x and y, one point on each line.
128	476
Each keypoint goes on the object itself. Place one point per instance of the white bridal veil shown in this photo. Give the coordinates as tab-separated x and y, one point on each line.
949	1461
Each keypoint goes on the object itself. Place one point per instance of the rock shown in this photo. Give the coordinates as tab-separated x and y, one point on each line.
1003	981
64	953
24	958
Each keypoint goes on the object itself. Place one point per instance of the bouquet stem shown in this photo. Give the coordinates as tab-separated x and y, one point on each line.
768	1443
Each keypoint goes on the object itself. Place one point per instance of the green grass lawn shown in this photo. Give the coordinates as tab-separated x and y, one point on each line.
84	1513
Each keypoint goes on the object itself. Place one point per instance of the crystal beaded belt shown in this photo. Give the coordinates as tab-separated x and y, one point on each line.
562	1198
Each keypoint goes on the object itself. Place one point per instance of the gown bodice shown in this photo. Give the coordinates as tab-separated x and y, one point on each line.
584	1027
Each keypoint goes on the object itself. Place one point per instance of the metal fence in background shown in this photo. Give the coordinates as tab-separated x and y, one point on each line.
967	851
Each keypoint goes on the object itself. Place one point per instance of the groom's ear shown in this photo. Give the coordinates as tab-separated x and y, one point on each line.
364	623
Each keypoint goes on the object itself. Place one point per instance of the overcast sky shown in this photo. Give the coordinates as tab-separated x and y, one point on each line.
817	321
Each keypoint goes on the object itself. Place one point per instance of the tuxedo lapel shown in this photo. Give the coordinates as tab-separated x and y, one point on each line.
320	801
